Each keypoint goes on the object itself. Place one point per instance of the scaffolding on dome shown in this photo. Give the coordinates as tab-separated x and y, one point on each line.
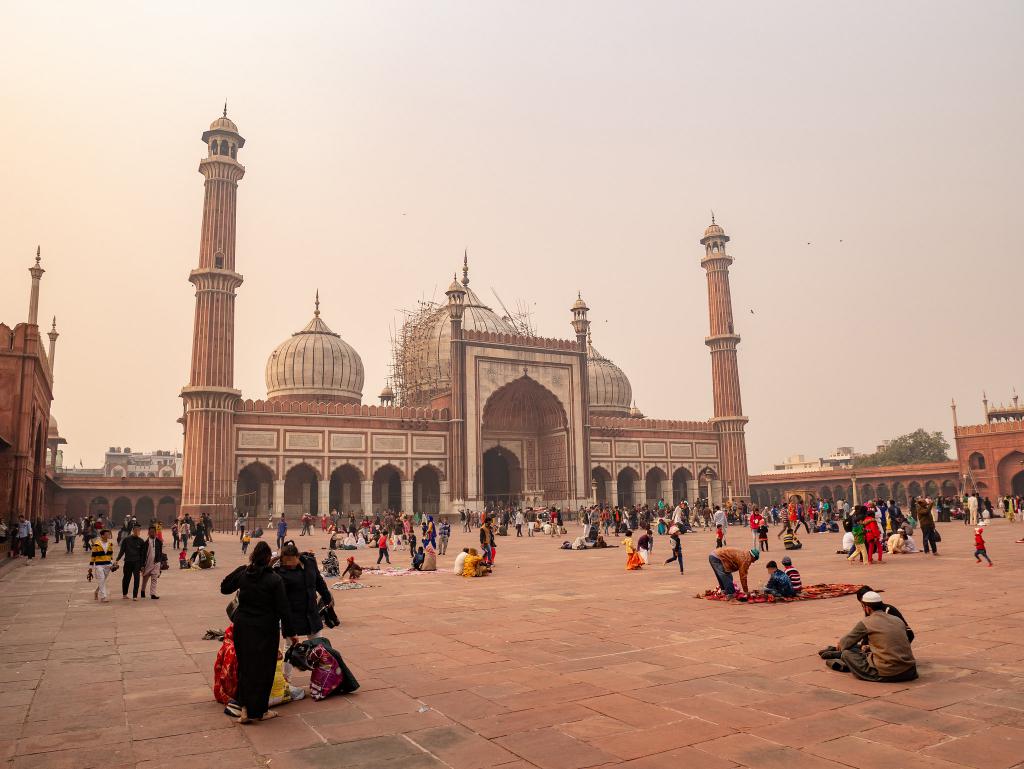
412	383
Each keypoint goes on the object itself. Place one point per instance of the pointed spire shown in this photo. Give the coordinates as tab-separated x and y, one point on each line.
465	268
712	216
225	108
316	304
38	254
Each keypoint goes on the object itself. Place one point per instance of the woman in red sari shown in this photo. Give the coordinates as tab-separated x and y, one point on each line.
633	559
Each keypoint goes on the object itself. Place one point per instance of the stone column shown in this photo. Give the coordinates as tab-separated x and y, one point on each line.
444	505
324	500
366	496
407	496
692	491
278	498
613	493
346	497
639	491
716	492
264	502
666	491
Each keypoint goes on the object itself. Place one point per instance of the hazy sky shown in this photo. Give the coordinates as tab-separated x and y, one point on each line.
866	159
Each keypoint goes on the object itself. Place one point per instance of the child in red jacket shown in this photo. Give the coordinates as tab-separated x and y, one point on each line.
979	545
872	536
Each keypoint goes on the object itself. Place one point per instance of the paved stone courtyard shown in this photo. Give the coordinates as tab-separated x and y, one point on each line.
559	660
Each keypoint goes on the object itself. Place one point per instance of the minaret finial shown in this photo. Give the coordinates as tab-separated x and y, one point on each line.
465	267
712	216
316	312
38	253
225	108
54	326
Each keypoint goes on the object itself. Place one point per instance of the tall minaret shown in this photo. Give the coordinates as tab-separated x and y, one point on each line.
53	334
36	271
208	481
725	375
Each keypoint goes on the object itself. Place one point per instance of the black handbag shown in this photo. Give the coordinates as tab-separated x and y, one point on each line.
329	615
936	536
232	607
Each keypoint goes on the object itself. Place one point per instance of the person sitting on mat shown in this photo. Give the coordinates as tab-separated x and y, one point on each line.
877	648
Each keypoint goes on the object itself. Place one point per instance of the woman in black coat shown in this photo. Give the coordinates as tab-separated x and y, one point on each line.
262	606
302	584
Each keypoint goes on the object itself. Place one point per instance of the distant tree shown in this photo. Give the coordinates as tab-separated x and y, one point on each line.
916	448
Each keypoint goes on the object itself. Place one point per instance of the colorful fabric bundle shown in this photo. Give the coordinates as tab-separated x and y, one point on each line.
809	593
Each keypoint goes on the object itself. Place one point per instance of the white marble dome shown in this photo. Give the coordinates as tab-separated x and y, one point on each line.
315	364
610	391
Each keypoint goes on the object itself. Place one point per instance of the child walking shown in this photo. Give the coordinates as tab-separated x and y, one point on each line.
719	536
979	545
859	543
677	549
246	539
762	538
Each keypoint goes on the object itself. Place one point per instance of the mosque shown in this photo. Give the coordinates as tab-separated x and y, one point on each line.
478	409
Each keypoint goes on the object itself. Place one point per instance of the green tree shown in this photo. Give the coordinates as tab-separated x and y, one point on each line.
916	448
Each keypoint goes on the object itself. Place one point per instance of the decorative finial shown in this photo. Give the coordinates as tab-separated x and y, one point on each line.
579	294
38	252
465	267
225	108
316	312
54	326
712	216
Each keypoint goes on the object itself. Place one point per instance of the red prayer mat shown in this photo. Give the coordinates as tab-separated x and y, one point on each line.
809	593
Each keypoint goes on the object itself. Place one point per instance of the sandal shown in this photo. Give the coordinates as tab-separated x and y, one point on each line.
269	715
839	667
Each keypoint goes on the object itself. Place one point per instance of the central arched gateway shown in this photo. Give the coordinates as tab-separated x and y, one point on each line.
525	445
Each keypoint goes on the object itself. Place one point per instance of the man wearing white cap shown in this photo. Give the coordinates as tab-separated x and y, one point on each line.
877	649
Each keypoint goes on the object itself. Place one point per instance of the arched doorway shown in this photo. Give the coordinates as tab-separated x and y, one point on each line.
144	510
931	489
680	484
530	423
1017	484
867	493
949	489
167	510
387	490
976	461
503	476
1008	472
883	491
602	480
300	491
255	490
346	489
838	494
122	509
627	483
99	506
914	489
426	490
654	485
899	493
825	493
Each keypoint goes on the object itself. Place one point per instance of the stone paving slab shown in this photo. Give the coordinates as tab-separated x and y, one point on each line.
559	660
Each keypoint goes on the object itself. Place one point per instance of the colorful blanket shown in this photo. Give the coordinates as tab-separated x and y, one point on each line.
809	593
350	586
403	572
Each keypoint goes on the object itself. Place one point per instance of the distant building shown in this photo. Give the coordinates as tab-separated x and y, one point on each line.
120	463
839	459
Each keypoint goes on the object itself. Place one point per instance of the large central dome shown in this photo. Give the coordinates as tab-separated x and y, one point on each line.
315	364
426	356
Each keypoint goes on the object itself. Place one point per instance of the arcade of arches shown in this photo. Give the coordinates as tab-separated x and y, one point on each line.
525	434
303	491
629	489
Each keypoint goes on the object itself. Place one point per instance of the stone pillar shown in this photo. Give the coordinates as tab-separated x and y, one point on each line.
278	498
366	496
639	491
346	496
324	500
692	491
407	497
666	491
716	492
264	500
445	502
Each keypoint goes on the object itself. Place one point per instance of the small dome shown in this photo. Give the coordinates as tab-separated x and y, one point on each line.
579	304
610	391
53	431
713	229
635	413
387	392
224	123
315	364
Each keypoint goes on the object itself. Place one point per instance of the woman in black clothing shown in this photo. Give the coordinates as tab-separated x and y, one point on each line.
302	584
262	604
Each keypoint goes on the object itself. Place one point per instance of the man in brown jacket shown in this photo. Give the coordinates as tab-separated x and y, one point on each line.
877	649
726	560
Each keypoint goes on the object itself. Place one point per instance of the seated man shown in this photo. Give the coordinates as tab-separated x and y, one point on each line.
778	583
460	561
794	576
418	558
897	543
848	546
789	540
877	648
